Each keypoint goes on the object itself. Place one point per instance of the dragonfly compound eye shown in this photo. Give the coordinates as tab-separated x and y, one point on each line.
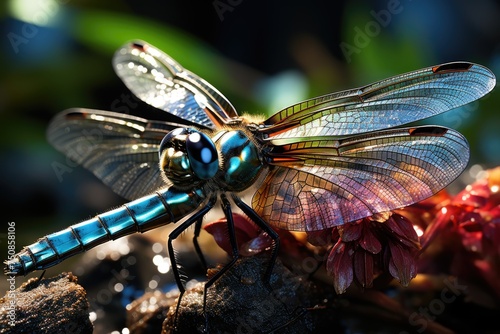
202	155
188	156
174	160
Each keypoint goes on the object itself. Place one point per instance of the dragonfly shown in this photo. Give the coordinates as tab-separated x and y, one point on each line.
314	165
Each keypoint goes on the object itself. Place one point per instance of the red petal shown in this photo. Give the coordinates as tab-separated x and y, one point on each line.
471	222
473	196
402	227
480	188
363	268
245	230
245	226
369	241
320	238
440	224
351	231
494	211
490	275
491	232
218	230
402	264
339	266
256	245
472	241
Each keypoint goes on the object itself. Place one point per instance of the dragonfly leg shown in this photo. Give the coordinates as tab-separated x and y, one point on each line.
266	228
197	230
226	208
197	217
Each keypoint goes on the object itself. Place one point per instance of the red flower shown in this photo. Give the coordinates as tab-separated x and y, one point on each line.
468	227
368	247
250	239
463	230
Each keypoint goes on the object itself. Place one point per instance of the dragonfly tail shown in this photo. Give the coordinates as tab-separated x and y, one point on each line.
165	206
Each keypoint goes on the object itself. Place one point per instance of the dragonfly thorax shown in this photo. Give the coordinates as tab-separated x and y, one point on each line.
188	156
240	160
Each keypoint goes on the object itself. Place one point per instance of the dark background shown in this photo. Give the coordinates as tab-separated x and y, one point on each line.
263	55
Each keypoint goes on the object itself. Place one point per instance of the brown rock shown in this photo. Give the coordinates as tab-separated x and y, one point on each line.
146	314
51	305
240	301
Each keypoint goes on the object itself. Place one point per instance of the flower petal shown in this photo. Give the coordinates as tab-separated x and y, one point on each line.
256	245
403	229
491	232
402	264
474	195
320	238
369	240
440	225
339	266
218	230
351	231
363	268
245	230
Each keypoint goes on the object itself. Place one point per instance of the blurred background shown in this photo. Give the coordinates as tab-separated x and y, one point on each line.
263	55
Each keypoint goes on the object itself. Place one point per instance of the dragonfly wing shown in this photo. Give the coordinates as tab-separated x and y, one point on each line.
385	104
119	149
160	81
321	182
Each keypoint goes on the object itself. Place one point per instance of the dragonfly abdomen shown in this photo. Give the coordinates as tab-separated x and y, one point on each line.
163	207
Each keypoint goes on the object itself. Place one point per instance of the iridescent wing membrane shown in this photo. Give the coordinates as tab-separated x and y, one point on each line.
122	150
385	104
335	164
160	81
334	158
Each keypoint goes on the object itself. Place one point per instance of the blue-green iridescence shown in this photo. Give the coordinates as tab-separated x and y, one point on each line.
174	158
241	160
202	155
163	207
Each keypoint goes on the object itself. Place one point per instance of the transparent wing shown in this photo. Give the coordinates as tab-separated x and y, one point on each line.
385	104
320	182
119	149
160	81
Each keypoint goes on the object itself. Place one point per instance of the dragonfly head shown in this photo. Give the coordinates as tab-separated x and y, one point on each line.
188	156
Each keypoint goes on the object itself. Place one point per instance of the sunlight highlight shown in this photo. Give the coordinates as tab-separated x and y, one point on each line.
42	13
